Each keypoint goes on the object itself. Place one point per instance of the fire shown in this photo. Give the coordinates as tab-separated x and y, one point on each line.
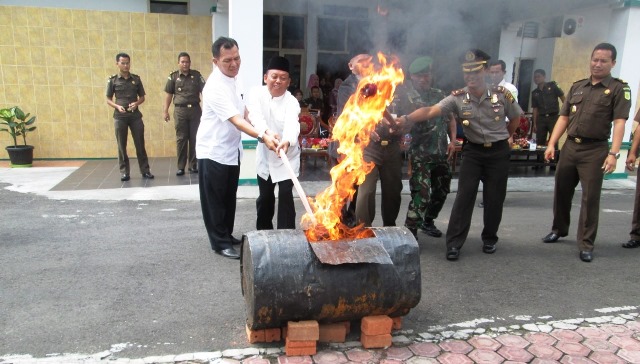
353	129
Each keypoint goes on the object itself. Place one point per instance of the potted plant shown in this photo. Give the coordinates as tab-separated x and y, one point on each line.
17	124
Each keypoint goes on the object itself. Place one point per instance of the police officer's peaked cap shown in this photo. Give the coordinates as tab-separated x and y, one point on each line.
421	65
474	60
278	63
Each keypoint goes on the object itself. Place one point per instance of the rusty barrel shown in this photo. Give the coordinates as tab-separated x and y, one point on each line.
284	280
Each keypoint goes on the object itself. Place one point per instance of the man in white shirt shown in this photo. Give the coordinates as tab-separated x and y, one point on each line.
219	146
272	107
497	70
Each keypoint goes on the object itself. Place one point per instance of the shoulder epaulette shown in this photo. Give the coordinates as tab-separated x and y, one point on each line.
457	92
171	74
621	80
582	80
113	75
134	75
507	94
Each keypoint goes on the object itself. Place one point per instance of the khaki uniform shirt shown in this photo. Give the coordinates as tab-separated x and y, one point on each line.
126	90
482	118
592	108
185	89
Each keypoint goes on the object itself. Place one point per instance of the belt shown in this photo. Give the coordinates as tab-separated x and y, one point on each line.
185	105
581	140
550	114
490	144
385	142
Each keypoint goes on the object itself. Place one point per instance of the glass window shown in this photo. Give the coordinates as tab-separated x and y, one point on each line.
331	34
293	32
358	40
168	7
271	31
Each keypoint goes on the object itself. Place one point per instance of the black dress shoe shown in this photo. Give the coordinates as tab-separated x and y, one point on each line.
453	253
551	238
193	170
124	177
431	230
147	175
631	244
230	253
180	172
586	256
235	241
489	248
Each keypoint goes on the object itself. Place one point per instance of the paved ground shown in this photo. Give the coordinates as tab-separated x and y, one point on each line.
126	275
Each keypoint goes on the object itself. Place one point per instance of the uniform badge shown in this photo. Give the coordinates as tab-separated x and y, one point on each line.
574	108
466	113
497	118
465	122
191	76
627	93
607	91
133	82
494	98
179	89
496	109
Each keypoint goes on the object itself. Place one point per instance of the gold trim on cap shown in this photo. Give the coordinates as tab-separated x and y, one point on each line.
478	66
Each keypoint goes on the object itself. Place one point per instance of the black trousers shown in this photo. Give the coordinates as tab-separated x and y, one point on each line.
492	165
265	204
218	184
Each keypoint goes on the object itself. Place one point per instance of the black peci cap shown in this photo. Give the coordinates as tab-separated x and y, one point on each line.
278	63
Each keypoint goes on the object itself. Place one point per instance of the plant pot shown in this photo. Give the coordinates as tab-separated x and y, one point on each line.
20	156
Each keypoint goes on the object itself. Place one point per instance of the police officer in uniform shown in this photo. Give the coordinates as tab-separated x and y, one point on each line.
544	101
184	86
486	154
129	94
429	150
592	105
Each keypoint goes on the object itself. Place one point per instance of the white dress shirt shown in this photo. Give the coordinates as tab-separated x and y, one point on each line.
217	138
279	115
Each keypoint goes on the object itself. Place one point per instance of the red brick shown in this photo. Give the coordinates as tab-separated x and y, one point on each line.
300	351
303	330
299	344
375	341
347	324
255	336
397	323
333	333
376	325
271	335
298	348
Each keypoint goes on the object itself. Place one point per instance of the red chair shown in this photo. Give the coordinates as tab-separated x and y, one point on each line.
308	125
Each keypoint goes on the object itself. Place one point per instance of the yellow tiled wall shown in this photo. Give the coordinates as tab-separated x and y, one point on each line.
55	64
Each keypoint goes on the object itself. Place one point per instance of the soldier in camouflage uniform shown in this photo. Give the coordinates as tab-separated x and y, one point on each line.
184	87
429	150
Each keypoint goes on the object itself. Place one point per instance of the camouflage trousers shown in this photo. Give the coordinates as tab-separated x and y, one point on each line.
429	184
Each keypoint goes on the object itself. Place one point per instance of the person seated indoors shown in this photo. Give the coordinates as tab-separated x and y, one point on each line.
315	105
298	95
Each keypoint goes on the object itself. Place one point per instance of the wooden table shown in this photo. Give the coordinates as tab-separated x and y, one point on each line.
306	153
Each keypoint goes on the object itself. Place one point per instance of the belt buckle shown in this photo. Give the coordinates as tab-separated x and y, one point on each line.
487	145
577	140
384	143
188	105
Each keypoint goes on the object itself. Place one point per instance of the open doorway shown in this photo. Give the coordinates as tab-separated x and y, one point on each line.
525	77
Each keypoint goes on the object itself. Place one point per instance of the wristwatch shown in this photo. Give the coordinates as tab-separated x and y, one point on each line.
260	137
617	155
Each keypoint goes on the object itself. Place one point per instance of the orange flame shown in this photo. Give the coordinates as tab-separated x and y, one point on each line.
353	129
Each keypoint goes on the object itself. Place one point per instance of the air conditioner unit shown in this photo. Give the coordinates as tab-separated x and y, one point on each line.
571	24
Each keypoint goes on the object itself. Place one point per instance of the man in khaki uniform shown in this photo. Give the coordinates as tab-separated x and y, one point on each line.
184	86
129	93
592	105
